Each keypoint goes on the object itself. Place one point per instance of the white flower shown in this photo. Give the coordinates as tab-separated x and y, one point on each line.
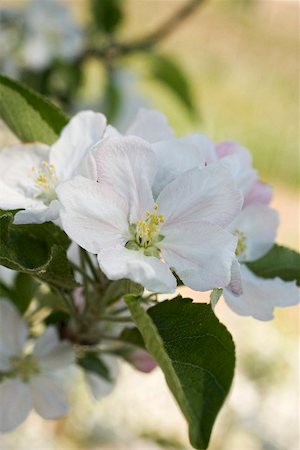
31	173
260	296
247	294
49	32
29	379
140	237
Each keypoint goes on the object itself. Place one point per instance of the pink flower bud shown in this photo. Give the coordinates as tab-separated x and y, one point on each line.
258	193
142	361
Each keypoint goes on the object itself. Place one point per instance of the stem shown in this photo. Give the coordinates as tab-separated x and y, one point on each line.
117	319
89	262
115	48
82	272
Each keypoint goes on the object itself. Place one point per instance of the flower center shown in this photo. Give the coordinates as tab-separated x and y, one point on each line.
25	366
145	233
242	242
45	180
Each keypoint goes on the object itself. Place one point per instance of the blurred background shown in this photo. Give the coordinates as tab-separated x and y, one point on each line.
230	69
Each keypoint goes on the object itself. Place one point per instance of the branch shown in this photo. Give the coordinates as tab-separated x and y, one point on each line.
115	48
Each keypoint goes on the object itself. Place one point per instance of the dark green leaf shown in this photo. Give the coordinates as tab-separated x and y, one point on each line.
92	363
169	73
279	262
29	115
196	354
38	250
132	336
25	288
107	14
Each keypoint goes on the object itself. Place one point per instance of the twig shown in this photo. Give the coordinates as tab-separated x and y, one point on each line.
115	48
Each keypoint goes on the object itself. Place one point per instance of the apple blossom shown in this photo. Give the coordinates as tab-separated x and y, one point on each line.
36	170
30	379
143	238
247	294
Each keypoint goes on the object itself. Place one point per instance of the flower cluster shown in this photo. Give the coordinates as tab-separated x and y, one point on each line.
157	210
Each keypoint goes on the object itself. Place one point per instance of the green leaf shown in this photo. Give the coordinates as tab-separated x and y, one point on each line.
92	363
132	336
195	352
215	297
24	290
169	73
29	115
38	250
107	14
117	289
279	262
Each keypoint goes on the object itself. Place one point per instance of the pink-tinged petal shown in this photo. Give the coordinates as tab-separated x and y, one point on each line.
258	224
94	216
13	329
51	353
141	360
48	396
261	296
149	271
259	192
227	148
111	131
15	404
200	253
207	194
150	125
235	284
39	214
83	131
174	157
128	165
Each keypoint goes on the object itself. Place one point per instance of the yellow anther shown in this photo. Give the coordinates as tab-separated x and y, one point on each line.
242	242
45	176
148	229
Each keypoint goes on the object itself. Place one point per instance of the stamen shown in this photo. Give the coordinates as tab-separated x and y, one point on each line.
242	242
25	366
148	229
45	180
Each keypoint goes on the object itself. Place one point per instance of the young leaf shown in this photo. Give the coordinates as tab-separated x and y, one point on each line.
279	262
169	73
118	288
24	290
38	250
215	297
132	336
29	115
92	363
107	14
195	352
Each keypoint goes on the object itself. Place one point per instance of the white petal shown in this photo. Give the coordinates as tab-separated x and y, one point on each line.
15	404
204	145
150	125
238	161
200	253
39	214
174	157
207	194
53	354
13	330
83	131
93	216
149	271
98	386
259	224
48	397
127	164
16	163
260	296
